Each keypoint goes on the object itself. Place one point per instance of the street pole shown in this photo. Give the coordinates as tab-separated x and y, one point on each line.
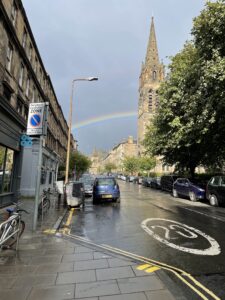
38	179
70	124
69	134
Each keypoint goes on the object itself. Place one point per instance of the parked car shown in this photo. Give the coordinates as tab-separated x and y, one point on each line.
156	183
215	191
167	182
130	178
105	188
187	188
123	177
88	185
137	180
146	181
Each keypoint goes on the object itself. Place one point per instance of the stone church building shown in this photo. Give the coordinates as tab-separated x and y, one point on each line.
152	74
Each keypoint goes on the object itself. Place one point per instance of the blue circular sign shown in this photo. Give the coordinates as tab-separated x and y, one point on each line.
35	120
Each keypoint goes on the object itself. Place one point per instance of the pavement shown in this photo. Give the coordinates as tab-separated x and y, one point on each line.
51	266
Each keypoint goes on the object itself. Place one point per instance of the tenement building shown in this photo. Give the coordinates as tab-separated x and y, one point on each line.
152	74
24	80
116	156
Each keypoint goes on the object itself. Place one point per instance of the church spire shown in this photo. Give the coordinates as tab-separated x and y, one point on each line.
152	57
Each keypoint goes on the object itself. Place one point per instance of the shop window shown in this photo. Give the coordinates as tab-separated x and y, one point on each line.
9	57
6	169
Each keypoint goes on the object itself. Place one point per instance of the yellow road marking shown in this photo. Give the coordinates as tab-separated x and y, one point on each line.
152	269
50	231
142	267
68	222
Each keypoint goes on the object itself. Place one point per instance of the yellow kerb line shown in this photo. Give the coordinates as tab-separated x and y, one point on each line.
68	222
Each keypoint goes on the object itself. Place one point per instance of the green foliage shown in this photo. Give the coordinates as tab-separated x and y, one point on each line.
146	163
189	129
130	164
79	163
109	167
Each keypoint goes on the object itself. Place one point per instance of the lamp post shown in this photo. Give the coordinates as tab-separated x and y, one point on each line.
70	122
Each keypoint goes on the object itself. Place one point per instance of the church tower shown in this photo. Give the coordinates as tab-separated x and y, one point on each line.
152	74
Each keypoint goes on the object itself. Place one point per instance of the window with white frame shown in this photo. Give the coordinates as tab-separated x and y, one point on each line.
30	52
21	75
14	13
35	64
33	94
9	57
24	41
28	86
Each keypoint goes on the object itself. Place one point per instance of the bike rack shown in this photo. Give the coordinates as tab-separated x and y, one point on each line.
6	227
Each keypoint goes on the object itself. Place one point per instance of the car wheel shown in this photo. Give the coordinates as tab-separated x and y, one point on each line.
192	196
175	195
213	200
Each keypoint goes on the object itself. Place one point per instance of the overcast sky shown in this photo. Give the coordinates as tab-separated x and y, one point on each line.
107	39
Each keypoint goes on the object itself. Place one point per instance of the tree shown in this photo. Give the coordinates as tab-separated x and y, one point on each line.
189	128
130	164
109	167
146	163
79	163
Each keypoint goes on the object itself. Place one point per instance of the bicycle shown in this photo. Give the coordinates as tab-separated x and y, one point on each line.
12	229
45	203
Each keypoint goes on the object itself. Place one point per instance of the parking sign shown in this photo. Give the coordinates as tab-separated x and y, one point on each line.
36	119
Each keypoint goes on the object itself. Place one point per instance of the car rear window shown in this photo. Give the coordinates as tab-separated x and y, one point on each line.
106	181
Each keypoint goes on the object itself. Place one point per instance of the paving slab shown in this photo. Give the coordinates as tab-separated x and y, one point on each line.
59	292
81	249
77	257
17	294
114	273
54	268
91	264
100	288
34	280
117	262
159	295
76	277
99	255
135	296
140	284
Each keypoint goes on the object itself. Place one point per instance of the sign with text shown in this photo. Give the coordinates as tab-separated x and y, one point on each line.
37	119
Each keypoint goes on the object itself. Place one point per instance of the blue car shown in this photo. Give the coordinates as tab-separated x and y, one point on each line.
184	187
106	188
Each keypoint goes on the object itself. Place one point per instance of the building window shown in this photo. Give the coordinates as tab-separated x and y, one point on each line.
6	169
150	100
24	41
30	52
28	86
19	107
7	92
40	71
14	13
9	57
33	94
35	64
21	75
25	113
154	75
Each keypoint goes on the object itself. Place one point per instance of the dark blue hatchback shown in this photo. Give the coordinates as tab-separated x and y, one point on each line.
105	188
184	187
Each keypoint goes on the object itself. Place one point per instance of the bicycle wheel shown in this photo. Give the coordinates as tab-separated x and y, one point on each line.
11	241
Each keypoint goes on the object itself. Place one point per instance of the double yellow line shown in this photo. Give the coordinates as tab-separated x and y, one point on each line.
202	291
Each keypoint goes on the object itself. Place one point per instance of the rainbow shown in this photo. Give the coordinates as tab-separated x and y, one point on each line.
104	118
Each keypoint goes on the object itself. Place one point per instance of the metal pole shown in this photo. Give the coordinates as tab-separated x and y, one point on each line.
69	133
38	179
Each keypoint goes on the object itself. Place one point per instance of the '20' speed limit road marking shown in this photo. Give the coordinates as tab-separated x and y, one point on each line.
183	231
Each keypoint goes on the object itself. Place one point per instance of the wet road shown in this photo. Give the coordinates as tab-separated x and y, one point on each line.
150	223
